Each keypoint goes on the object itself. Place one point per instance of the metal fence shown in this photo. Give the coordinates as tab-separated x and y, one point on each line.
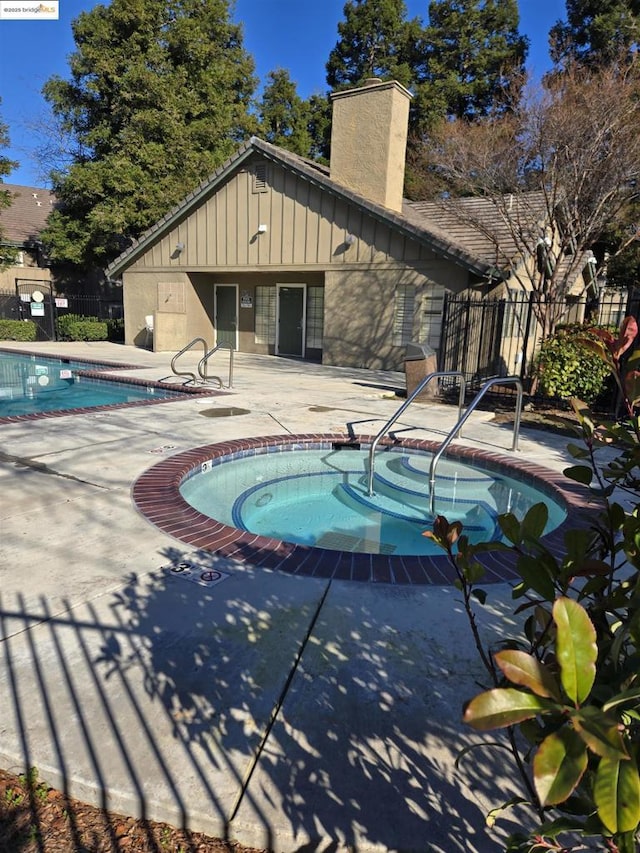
502	337
44	310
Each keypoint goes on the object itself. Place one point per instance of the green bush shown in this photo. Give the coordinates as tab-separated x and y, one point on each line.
566	367
17	330
75	327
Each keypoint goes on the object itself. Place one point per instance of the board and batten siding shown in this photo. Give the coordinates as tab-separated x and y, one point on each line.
306	227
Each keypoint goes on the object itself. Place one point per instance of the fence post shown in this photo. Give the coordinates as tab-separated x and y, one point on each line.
525	338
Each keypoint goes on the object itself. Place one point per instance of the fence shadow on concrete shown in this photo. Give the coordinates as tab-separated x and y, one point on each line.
290	716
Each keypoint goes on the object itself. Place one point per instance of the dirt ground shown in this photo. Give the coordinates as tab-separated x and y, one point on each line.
37	819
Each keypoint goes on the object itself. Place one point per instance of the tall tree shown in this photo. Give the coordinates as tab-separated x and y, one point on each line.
461	64
158	97
595	32
284	116
7	253
472	55
374	40
556	174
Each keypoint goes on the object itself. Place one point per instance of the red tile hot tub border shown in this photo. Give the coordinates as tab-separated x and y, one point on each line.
156	494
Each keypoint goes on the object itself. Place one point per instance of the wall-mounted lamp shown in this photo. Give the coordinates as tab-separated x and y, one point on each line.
262	228
349	239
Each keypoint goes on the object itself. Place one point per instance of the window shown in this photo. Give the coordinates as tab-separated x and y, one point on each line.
315	317
515	314
265	331
403	309
431	316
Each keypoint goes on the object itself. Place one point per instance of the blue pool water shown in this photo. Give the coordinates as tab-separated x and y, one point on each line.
320	498
32	384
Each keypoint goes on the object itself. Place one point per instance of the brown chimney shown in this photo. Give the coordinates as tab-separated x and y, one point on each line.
369	140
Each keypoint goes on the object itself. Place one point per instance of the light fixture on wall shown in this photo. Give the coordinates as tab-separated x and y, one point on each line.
262	228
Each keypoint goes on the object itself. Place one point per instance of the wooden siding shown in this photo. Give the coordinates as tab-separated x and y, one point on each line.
306	227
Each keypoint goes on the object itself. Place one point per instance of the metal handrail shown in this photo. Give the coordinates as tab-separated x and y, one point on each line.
188	373
455	431
421	386
203	363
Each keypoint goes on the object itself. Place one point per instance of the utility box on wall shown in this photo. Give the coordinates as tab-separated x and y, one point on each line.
420	360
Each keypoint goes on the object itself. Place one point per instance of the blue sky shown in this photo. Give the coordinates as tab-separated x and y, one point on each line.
293	34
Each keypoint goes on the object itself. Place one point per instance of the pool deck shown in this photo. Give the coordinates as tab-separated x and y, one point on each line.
286	712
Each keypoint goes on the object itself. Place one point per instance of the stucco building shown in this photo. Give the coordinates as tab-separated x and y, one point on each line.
277	254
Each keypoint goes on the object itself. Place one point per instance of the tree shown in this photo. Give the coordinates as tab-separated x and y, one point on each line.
158	98
555	174
7	253
375	40
284	116
473	54
459	65
595	32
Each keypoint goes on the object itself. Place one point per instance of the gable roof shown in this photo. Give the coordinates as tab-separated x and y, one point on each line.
409	223
22	222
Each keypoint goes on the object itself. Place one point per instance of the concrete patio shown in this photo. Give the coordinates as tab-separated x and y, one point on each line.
291	713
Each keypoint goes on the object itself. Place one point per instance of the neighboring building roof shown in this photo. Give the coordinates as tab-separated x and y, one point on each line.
410	222
22	222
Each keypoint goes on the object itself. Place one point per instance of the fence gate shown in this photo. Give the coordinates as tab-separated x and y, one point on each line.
36	303
471	337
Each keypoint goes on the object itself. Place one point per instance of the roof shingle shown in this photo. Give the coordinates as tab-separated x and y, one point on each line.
22	222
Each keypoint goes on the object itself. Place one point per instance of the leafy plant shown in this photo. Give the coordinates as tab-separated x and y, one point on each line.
13	797
569	685
567	367
17	330
75	327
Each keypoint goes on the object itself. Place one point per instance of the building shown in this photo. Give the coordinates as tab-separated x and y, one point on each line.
20	227
276	254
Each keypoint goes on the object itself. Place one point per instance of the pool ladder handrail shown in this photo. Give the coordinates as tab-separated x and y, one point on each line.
420	387
188	373
456	430
203	363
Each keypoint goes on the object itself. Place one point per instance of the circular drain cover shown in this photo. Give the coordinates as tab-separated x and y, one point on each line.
224	412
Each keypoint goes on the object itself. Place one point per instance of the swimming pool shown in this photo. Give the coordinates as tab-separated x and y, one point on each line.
160	495
33	386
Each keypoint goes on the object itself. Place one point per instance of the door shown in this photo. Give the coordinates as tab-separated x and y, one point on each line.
290	324
36	304
226	314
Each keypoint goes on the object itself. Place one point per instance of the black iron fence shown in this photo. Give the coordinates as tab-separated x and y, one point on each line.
34	300
497	338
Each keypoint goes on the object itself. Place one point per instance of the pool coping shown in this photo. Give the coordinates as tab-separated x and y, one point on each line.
181	392
156	495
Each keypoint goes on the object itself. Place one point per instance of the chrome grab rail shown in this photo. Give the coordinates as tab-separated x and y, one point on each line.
188	373
203	364
421	386
456	430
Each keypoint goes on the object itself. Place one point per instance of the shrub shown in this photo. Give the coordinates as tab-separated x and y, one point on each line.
569	684
568	368
115	331
17	330
75	327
